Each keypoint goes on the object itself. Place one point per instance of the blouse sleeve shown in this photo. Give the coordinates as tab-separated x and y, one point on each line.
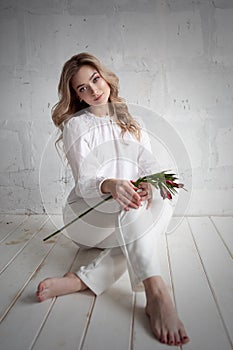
81	158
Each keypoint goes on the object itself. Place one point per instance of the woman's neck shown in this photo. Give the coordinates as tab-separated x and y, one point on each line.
100	111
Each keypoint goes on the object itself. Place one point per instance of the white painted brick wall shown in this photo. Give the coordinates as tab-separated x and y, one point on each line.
174	57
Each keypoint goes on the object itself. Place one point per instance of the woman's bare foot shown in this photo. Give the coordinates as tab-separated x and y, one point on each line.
164	320
53	287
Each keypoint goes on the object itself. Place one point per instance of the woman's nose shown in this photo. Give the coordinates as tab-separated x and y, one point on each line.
93	89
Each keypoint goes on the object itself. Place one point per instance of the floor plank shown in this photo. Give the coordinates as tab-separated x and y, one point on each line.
195	303
25	319
15	277
111	319
218	266
8	223
66	323
196	260
224	225
75	308
16	241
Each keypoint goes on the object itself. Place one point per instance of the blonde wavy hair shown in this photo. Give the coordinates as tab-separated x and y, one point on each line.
69	104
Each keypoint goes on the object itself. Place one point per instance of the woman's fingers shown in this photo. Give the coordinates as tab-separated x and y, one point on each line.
146	193
126	203
124	206
143	193
133	186
149	203
126	195
130	200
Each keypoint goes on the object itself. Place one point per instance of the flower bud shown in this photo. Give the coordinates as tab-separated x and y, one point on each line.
169	182
165	193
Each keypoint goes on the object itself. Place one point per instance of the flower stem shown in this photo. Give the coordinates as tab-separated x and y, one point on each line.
157	180
75	219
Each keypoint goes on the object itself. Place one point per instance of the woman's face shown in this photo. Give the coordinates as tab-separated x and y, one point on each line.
90	86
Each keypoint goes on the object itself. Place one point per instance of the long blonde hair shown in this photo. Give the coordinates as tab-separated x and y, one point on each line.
69	104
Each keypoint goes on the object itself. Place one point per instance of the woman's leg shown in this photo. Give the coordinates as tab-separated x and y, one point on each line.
143	265
129	239
136	235
96	231
164	320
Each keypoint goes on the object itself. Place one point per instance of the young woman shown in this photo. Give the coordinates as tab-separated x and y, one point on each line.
107	149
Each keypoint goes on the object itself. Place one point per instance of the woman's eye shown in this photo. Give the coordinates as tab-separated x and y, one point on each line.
82	89
95	79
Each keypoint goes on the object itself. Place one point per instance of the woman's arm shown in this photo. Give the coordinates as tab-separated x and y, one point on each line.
81	158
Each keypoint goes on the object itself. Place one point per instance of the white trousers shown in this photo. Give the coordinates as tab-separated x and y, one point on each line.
128	240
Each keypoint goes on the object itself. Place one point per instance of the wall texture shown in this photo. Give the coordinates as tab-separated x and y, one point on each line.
172	56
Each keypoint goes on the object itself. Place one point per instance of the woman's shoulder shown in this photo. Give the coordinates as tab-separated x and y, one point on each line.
76	120
78	123
75	127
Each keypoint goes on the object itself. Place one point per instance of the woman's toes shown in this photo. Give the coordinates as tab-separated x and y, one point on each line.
177	340
185	339
183	336
40	286
171	338
39	296
157	333
163	337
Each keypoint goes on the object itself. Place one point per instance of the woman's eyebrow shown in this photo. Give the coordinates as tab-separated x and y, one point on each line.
89	80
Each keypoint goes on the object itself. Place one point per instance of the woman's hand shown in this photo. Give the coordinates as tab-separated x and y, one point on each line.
124	192
146	193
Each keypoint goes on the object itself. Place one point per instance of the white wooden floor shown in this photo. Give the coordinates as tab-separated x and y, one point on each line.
197	266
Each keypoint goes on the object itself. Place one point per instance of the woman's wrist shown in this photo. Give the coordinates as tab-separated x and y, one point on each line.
106	185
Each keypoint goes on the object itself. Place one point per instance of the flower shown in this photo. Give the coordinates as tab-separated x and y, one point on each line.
165	193
163	181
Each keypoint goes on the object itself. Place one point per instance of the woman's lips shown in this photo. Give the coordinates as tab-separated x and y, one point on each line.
98	98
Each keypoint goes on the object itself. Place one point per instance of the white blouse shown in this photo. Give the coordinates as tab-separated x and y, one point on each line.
96	151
